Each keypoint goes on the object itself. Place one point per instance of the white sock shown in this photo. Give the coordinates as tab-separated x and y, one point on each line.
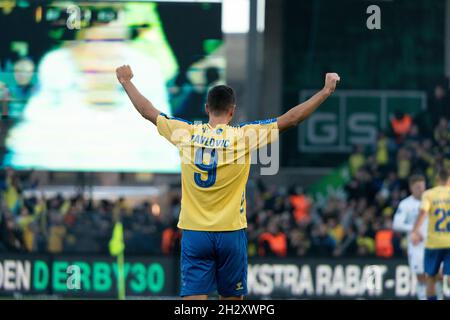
439	290
421	291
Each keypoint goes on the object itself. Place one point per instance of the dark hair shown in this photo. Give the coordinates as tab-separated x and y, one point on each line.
415	178
220	98
443	174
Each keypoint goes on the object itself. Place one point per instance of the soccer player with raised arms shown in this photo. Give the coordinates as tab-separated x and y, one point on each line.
214	171
436	206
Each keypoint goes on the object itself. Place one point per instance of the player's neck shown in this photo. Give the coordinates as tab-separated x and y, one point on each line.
214	121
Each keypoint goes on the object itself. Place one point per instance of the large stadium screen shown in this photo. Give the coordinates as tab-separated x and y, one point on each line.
59	94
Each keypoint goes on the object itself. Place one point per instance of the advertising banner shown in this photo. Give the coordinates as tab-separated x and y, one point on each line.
354	117
89	277
24	274
332	279
85	276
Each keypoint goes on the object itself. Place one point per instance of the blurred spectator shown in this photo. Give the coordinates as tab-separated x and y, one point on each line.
401	124
273	242
25	224
357	159
8	239
403	166
322	242
301	205
12	192
171	239
384	246
365	242
337	232
57	232
442	131
348	246
382	155
299	243
439	102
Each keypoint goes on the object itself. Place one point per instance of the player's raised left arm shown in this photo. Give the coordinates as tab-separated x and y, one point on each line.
141	103
302	111
416	237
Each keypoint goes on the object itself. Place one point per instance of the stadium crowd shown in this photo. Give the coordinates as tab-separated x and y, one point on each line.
71	225
281	221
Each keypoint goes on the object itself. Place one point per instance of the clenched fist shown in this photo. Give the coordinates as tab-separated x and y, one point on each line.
124	74
331	80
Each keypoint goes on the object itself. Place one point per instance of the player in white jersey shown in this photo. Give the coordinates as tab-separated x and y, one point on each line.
404	220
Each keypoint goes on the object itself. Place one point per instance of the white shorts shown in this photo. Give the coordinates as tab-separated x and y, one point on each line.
416	259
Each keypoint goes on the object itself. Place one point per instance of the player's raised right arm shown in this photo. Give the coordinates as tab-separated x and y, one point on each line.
142	104
302	111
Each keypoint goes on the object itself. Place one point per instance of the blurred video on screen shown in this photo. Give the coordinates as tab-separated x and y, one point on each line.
66	109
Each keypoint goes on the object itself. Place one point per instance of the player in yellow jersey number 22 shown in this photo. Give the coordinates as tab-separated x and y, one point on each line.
436	205
213	206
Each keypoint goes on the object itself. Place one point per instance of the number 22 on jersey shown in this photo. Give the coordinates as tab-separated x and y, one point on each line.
442	214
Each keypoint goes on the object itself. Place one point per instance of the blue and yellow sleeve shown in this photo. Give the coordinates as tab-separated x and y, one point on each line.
260	133
172	128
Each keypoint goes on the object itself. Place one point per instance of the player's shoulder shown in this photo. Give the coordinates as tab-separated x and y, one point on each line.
174	123
407	201
440	192
167	117
430	192
433	190
253	127
257	123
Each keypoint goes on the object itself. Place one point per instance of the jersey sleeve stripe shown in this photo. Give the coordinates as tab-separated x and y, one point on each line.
174	118
267	121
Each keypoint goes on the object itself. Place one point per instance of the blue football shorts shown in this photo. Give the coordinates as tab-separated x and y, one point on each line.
434	258
214	261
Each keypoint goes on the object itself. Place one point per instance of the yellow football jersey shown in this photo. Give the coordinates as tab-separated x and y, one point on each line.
215	164
436	202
